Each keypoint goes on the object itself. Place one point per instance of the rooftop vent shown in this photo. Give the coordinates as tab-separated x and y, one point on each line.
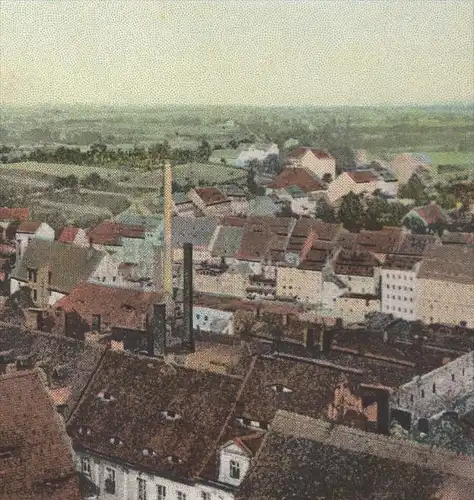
170	415
116	441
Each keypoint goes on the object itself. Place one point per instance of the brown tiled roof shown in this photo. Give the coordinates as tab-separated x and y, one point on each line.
300	151
117	307
416	244
68	234
110	233
14	213
37	459
402	262
142	388
211	195
432	213
449	263
327	231
254	245
29	226
355	262
307	459
449	238
362	177
384	241
296	177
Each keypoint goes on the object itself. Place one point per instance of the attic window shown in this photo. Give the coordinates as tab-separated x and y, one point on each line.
84	430
280	388
170	416
174	460
148	452
115	440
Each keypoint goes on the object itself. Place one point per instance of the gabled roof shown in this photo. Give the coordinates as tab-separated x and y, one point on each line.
202	402
110	233
385	241
14	213
68	234
301	151
416	244
321	459
432	213
117	307
39	462
261	206
29	226
198	231
227	241
211	195
69	264
363	176
296	177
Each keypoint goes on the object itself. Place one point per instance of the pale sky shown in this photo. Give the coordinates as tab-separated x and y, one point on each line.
236	52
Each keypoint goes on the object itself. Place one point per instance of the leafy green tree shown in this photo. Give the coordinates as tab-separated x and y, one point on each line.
413	190
252	185
376	214
325	212
204	151
327	178
351	212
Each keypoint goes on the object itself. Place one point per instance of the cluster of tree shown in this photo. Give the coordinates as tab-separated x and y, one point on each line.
91	181
252	185
357	212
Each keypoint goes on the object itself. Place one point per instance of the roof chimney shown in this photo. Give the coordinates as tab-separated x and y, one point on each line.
188	295
156	330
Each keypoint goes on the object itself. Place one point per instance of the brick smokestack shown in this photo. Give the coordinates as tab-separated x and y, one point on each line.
156	330
188	295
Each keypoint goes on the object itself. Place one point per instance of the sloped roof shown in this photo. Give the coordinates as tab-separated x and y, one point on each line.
203	400
211	195
321	459
355	262
363	176
449	263
198	231
416	244
262	205
300	151
110	232
118	307
180	198
68	234
296	177
41	464
69	264
384	241
14	213
29	226
227	241
432	213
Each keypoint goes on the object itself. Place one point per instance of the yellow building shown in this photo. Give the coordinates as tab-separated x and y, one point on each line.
352	308
305	285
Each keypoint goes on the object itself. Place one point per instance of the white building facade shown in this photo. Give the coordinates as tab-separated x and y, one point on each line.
399	292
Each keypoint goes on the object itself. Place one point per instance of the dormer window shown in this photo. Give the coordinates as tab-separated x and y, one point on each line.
116	441
174	460
32	275
170	416
234	469
148	452
280	388
84	430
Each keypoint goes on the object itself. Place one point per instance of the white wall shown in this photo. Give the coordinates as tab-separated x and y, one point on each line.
399	293
360	284
127	486
230	453
453	380
54	297
106	271
14	286
204	316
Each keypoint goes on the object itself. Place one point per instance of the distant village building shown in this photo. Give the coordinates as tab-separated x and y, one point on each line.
406	164
315	160
29	230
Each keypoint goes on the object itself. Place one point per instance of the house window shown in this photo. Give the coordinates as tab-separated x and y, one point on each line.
452	377
141	489
197	316
110	480
180	495
434	388
422	393
411	398
96	322
103	278
160	492
86	466
32	275
234	469
35	295
206	318
114	279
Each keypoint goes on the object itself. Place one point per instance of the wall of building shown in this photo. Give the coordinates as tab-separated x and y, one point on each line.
126	482
204	316
239	206
318	166
107	271
219	209
399	293
360	284
236	454
353	310
305	284
330	293
445	302
200	254
434	392
233	284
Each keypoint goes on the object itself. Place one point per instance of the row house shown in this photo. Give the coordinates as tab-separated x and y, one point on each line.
188	453
210	201
445	285
314	160
51	269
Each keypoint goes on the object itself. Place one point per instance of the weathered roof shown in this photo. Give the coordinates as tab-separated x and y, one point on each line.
355	262
416	244
68	234
262	205
29	226
227	241
384	241
296	177
117	307
363	176
35	455
69	264
76	360
450	238
202	402
14	213
449	263
198	231
300	151
110	232
307	459
211	195
432	213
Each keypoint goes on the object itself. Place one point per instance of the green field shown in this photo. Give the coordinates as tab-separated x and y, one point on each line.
452	158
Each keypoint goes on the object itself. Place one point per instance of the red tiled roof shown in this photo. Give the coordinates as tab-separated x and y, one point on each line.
14	213
431	213
118	307
29	226
319	153
68	234
109	232
296	177
254	245
211	195
384	241
41	464
362	177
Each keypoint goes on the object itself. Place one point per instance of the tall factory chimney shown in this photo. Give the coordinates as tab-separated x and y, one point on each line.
168	244
188	294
